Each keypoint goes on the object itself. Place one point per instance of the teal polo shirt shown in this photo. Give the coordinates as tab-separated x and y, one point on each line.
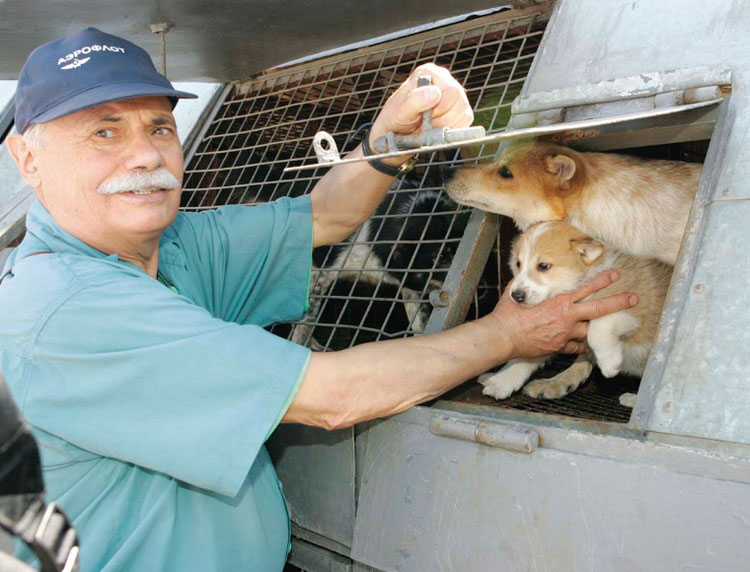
151	404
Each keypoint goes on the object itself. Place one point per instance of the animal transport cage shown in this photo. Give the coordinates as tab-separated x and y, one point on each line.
467	483
385	281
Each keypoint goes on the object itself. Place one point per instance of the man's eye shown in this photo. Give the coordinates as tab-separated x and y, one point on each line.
505	172
543	266
163	131
105	133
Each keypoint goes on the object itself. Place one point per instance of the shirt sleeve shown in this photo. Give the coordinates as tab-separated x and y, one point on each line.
253	261
127	369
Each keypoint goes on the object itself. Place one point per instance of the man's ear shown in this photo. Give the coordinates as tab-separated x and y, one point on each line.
589	249
561	166
25	158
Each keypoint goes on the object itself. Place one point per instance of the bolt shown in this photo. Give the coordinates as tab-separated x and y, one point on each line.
698	288
668	407
726	192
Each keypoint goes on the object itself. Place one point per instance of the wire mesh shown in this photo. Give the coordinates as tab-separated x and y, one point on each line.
376	285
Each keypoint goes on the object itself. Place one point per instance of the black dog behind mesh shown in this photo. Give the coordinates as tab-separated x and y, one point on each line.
376	284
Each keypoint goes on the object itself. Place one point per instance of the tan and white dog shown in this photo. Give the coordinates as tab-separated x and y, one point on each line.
639	206
552	258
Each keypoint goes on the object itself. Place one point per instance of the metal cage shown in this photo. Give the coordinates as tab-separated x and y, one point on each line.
386	279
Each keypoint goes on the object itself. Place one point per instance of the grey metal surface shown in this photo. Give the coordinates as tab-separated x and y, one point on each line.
312	558
317	470
579	502
219	40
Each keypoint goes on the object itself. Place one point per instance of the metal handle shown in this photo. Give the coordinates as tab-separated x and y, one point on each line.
503	436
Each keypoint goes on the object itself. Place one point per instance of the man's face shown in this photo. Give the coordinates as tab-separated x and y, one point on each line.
83	150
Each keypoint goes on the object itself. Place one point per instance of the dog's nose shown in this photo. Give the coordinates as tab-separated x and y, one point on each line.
447	174
518	295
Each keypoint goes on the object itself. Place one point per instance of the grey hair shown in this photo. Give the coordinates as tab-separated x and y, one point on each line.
34	136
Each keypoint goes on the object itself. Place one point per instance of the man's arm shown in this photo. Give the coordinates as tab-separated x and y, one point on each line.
348	194
383	378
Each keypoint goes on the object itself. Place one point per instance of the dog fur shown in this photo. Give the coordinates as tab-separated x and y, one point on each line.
620	342
638	206
409	244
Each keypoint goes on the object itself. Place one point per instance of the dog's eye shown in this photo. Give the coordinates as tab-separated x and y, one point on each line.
518	264
505	172
543	266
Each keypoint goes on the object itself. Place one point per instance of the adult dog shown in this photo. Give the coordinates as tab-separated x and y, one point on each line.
638	206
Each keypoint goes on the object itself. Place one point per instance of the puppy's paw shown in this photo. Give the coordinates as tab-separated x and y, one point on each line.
499	385
610	363
610	369
548	389
628	399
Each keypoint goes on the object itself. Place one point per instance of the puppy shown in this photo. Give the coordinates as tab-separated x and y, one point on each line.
638	206
409	243
551	258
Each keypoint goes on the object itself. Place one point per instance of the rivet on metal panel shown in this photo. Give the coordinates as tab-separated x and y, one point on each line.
698	288
439	298
726	192
668	407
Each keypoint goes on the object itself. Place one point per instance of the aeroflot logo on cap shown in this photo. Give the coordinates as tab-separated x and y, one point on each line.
76	63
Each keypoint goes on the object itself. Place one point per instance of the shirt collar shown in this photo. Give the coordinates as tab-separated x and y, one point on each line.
43	234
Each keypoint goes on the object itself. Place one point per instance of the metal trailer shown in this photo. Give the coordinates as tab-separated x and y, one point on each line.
464	482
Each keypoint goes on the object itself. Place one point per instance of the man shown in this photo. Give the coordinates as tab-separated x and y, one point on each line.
132	337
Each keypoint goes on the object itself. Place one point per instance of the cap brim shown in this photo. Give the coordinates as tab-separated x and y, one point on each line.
107	94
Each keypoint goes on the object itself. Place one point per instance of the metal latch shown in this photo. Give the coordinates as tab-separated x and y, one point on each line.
508	436
429	138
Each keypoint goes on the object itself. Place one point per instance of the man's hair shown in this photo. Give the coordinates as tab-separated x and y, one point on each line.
34	136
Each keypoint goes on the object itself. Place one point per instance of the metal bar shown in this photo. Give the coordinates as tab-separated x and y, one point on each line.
461	282
589	124
503	436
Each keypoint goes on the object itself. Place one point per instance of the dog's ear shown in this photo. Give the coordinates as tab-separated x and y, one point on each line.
561	166
589	249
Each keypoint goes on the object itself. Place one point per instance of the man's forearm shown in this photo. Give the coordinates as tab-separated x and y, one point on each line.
384	378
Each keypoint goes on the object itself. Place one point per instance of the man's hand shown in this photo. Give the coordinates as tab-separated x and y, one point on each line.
402	113
559	324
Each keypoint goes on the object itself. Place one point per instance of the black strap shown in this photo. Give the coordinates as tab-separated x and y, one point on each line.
377	164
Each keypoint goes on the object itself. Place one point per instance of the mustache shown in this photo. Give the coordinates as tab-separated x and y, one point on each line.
159	178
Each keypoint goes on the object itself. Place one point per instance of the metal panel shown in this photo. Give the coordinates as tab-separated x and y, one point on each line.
594	41
580	502
222	40
317	470
706	377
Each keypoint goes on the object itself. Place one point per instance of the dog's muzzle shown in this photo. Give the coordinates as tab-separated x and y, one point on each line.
518	296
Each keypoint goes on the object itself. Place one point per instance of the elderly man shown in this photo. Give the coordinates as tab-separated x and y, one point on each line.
132	336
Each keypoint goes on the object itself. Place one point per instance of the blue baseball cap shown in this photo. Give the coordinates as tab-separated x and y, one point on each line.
84	70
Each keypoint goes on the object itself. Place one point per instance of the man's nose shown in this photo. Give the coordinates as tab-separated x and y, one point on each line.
144	154
518	295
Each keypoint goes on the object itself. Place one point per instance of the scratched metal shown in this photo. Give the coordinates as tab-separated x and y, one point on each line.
579	503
